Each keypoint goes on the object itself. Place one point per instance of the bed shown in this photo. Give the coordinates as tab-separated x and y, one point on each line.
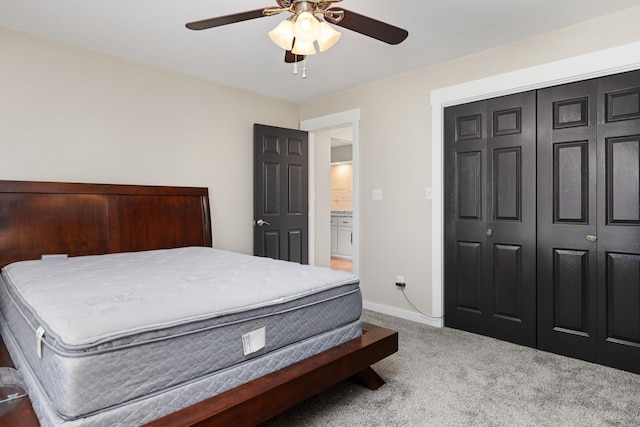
99	225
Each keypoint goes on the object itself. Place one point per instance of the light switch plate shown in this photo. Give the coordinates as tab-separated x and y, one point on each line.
377	194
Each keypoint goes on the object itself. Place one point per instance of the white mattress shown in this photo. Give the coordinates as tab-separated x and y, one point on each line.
116	328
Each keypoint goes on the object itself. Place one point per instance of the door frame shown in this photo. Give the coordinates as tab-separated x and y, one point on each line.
323	123
596	64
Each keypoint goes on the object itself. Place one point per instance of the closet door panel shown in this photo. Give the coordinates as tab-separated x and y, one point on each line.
465	216
622	180
507	281
510	288
468	189
570	292
571	182
619	221
469	255
507	163
567	182
490	218
623	294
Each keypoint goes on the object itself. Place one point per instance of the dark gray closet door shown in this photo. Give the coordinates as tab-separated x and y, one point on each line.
566	219
490	218
589	220
618	241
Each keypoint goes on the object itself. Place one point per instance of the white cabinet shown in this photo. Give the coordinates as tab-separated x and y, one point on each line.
342	236
334	235
345	241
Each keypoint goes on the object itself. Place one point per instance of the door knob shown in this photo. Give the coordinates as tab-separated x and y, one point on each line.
261	222
489	232
591	238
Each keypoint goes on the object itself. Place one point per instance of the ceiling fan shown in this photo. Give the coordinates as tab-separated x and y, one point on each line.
307	25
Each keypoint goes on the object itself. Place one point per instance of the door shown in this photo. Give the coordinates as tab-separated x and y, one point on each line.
490	223
589	220
281	193
586	241
567	225
618	199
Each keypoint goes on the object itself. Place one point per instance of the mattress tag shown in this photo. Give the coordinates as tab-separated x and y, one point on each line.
39	335
254	341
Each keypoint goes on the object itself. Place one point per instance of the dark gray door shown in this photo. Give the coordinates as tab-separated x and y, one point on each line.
589	220
566	218
281	193
618	282
574	201
490	222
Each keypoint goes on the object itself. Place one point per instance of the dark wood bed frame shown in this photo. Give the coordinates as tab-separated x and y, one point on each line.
40	218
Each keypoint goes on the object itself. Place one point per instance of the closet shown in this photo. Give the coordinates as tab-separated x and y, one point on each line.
542	219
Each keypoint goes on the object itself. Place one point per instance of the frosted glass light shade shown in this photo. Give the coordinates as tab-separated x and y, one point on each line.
282	35
306	27
303	48
327	37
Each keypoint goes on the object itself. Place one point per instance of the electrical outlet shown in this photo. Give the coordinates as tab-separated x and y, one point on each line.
400	282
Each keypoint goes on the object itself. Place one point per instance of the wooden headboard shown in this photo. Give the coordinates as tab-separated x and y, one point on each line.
39	218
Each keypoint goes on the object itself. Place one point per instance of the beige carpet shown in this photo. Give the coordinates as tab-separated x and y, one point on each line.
446	377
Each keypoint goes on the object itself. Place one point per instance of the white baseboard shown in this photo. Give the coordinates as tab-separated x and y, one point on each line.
403	314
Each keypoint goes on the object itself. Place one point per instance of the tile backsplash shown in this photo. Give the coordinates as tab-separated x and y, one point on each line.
342	187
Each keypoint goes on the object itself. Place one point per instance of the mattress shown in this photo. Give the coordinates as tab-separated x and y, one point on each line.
100	332
156	405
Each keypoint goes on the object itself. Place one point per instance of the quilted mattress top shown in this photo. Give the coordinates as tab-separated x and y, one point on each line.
84	300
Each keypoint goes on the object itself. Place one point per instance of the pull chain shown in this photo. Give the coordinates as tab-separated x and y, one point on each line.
304	67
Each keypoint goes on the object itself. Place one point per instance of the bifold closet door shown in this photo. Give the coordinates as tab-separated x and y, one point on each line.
567	228
589	220
618	282
490	223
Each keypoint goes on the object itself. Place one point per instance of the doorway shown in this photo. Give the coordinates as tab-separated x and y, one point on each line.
341	247
339	129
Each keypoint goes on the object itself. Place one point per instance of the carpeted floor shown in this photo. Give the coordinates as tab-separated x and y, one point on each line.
446	377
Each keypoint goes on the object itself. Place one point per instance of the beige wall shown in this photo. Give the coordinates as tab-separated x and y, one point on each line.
71	114
321	200
395	150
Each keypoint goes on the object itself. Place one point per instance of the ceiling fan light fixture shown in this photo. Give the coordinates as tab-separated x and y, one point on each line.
328	36
283	34
307	27
303	48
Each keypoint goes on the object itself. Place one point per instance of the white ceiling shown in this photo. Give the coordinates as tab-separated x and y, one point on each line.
242	55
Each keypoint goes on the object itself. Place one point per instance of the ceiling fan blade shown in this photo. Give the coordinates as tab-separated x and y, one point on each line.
290	57
371	27
224	20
